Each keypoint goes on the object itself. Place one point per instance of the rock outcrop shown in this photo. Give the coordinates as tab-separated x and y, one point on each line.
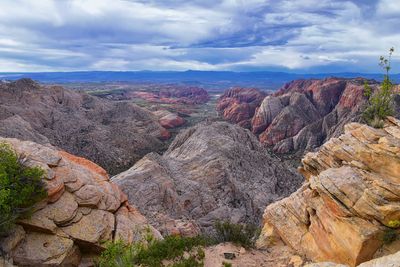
350	202
213	171
392	260
83	210
112	134
304	114
238	105
168	119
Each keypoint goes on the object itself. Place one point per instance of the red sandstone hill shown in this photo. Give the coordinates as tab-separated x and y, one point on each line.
303	114
238	105
169	94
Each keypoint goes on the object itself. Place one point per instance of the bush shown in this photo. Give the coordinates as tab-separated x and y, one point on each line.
20	188
178	251
380	103
389	236
244	235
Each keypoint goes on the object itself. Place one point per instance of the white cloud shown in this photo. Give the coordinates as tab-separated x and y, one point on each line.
179	35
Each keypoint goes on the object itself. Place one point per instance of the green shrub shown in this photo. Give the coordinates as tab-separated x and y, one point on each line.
241	234
389	235
20	188
380	103
178	251
226	264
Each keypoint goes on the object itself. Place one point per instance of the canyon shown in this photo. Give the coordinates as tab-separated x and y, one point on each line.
113	134
111	175
302	114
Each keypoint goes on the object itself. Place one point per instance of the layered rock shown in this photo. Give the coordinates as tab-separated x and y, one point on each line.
304	114
83	210
350	200
168	119
238	105
112	134
170	95
213	171
392	260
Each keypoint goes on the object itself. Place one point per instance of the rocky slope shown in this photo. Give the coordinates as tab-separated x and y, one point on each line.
82	211
349	205
304	114
156	93
213	171
237	105
112	134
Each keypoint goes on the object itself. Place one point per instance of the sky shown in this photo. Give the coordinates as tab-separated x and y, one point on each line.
304	36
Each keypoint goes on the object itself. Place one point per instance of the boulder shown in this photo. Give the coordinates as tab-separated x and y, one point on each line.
349	201
75	221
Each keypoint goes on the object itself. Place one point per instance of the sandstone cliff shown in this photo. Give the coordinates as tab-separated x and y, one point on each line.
83	211
237	105
112	134
350	202
213	171
304	114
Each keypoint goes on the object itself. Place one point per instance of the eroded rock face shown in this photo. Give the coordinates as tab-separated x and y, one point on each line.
112	134
238	105
82	211
304	114
213	171
349	201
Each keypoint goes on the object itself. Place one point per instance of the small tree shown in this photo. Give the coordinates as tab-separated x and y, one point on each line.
380	103
20	187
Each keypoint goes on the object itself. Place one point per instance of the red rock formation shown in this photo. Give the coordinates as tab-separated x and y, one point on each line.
172	95
238	105
305	113
168	119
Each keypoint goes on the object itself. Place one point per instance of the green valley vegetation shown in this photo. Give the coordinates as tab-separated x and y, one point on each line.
244	235
176	251
173	251
380	103
20	187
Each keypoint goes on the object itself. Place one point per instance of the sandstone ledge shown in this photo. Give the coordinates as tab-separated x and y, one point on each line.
351	197
83	211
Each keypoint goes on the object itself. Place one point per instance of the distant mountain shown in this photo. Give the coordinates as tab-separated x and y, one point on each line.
266	80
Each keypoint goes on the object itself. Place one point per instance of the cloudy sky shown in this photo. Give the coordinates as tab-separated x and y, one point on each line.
241	35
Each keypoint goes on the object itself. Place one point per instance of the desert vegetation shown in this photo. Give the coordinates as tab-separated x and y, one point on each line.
20	187
380	103
176	251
